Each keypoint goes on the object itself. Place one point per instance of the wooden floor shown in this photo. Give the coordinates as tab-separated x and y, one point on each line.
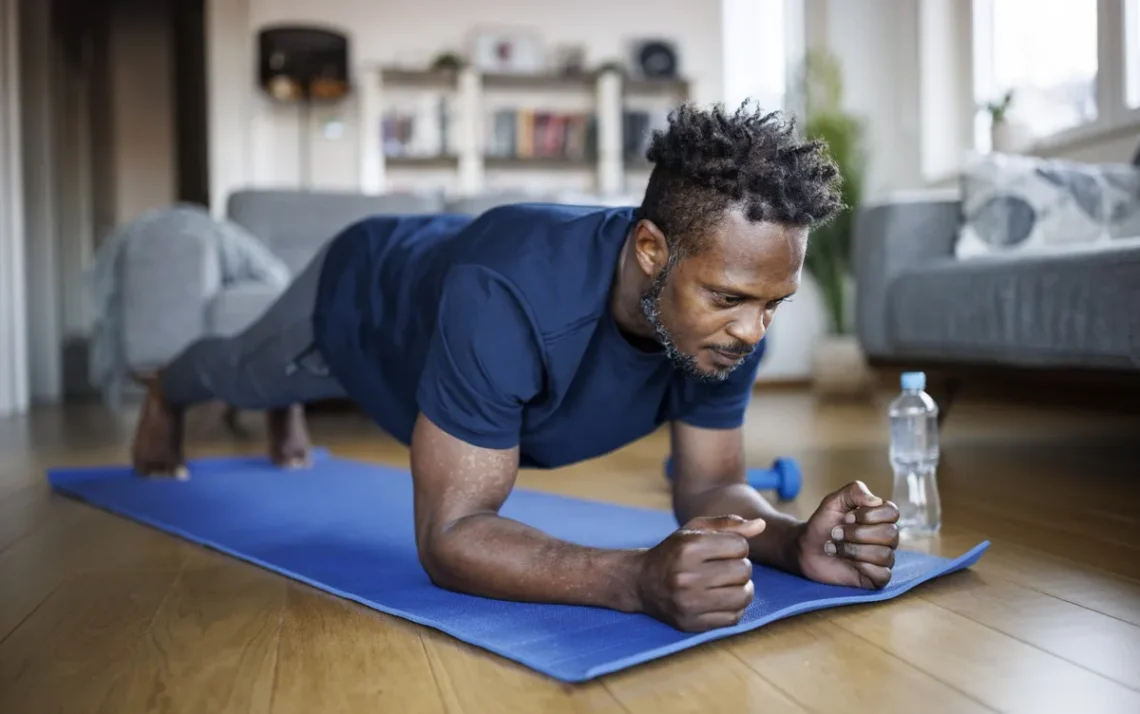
99	614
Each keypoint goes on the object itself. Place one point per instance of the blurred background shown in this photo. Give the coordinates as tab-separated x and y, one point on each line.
988	147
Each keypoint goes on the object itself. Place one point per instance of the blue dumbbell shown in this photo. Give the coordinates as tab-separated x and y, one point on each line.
783	477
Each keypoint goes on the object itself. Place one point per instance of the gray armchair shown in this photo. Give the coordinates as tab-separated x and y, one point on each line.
175	275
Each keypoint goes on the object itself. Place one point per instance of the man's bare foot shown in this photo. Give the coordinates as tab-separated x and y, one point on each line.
288	437
157	448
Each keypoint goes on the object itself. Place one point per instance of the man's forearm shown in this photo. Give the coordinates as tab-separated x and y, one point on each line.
496	557
774	547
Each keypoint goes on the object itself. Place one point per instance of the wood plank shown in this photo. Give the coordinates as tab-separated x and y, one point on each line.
989	666
77	648
1094	641
688	681
211	648
337	656
1099	527
474	681
1065	579
801	653
1114	558
20	513
75	539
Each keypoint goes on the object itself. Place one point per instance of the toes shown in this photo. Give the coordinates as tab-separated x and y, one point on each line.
163	472
293	461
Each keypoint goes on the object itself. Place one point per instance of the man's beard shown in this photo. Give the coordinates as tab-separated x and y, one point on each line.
687	363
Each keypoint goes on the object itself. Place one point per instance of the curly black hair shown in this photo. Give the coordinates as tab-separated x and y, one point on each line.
708	161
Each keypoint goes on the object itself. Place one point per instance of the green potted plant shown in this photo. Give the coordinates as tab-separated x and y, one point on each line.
838	363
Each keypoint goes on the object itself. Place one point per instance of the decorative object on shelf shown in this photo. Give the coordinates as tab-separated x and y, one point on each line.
507	51
611	66
655	59
301	64
1007	135
570	60
448	62
839	367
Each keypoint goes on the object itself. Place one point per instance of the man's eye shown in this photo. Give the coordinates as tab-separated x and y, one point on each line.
728	299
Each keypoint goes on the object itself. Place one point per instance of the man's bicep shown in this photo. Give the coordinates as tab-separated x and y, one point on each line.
453	479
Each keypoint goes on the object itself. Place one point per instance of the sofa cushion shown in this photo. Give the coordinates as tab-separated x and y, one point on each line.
294	224
1022	204
1073	309
236	306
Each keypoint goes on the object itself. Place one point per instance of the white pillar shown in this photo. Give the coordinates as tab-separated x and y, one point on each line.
370	86
611	171
13	323
470	131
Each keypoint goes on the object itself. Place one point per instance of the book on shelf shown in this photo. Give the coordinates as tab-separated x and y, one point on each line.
536	134
424	128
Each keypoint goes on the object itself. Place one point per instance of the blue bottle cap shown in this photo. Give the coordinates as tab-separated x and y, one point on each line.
914	380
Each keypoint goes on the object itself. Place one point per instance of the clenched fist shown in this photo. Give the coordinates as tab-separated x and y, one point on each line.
700	577
851	539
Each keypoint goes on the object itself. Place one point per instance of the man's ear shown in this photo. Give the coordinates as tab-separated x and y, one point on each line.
650	247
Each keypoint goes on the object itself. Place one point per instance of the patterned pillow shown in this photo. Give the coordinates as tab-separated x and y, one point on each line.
1025	204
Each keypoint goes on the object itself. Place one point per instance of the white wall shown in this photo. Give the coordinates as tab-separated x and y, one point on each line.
13	325
260	139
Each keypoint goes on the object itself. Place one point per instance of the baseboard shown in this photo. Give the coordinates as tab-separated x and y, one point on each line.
1086	387
788	384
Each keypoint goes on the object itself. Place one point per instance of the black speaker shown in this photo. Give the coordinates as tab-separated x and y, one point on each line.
655	59
301	63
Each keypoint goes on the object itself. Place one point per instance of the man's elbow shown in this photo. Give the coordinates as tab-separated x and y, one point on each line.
437	557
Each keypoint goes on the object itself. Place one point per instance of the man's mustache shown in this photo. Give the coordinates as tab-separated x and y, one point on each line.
739	350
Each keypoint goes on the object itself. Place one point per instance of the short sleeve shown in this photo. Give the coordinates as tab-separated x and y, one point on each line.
484	361
721	405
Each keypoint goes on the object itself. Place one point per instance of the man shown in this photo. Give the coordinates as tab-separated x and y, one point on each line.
540	335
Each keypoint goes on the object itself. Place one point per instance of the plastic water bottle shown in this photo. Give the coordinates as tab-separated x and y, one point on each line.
914	457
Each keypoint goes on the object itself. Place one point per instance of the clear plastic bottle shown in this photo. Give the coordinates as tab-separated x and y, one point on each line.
914	456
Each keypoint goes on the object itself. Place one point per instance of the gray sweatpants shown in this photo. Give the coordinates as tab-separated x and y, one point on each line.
272	364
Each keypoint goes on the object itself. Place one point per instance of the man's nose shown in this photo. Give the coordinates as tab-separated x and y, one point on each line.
749	328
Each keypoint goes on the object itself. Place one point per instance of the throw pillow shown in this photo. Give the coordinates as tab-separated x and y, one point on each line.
1024	204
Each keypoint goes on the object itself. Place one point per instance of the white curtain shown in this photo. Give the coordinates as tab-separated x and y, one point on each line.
13	311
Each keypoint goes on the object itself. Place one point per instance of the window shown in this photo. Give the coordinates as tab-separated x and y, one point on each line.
759	50
1045	53
1132	53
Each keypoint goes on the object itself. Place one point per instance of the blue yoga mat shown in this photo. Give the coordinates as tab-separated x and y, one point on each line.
346	527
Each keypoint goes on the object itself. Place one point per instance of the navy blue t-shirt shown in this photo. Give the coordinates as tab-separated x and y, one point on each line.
498	329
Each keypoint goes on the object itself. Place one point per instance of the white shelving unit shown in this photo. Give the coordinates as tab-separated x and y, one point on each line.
467	132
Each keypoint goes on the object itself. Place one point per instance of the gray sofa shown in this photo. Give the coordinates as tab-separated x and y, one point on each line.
921	305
